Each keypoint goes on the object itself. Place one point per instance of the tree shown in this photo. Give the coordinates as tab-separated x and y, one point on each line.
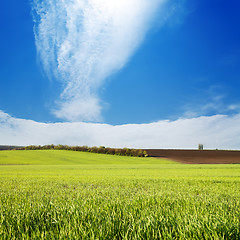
200	146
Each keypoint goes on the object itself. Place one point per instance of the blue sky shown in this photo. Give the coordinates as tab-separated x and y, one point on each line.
170	60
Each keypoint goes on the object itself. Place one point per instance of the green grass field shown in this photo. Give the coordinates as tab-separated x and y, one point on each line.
75	195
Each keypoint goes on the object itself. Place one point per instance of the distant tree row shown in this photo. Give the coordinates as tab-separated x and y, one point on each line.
101	149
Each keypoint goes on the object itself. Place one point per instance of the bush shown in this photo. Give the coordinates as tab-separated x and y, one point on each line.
101	150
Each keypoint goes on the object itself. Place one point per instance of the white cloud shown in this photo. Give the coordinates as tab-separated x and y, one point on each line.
82	42
219	131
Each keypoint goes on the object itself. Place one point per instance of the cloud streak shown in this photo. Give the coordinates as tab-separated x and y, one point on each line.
82	42
219	131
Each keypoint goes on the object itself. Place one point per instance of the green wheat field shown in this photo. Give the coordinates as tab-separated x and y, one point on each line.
59	194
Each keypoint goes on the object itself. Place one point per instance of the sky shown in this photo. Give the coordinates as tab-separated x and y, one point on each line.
129	73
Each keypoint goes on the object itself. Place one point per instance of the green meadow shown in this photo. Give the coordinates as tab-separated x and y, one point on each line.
59	194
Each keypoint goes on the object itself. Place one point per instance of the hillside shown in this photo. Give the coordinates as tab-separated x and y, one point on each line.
65	157
7	147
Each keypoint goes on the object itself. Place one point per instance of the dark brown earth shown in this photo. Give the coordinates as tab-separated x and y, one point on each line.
197	156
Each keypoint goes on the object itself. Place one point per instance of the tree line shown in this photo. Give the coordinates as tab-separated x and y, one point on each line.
101	149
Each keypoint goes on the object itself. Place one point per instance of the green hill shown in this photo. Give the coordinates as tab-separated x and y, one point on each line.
64	157
59	194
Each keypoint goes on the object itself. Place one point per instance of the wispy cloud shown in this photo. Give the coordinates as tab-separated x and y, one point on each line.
210	101
82	42
219	131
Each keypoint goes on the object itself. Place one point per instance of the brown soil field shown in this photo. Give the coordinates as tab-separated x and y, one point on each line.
197	156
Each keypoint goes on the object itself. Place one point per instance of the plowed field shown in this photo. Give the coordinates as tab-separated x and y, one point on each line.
197	156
